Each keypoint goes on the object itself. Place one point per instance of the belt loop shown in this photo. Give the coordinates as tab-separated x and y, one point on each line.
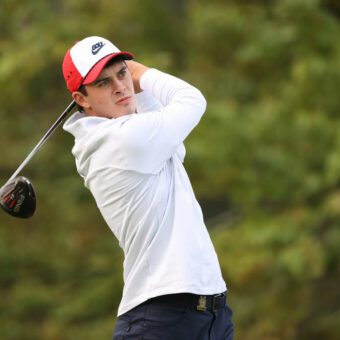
214	301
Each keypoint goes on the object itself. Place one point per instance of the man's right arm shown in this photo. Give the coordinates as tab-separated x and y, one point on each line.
152	138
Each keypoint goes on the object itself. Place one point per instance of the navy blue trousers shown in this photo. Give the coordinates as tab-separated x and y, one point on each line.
157	320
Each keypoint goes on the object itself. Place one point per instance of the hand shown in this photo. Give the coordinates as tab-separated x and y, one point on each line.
136	70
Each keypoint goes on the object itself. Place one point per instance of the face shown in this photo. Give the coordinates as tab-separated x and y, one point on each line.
111	95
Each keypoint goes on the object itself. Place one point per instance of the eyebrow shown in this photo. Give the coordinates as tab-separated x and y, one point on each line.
99	80
124	67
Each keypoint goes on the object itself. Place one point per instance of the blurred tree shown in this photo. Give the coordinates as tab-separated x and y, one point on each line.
264	161
333	6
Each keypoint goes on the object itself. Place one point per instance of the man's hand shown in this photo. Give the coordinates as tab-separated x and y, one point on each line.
136	70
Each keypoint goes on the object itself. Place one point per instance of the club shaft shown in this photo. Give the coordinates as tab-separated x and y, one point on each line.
44	139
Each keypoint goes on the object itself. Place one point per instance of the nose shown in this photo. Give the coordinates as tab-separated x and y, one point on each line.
118	86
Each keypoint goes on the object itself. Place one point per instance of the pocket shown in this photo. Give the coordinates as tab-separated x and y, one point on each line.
130	325
164	315
229	310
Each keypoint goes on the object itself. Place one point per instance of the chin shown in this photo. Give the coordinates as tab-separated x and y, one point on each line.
127	111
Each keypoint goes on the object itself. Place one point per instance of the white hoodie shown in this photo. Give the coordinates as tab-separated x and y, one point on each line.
133	167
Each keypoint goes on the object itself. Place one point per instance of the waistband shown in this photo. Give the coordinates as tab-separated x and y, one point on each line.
211	303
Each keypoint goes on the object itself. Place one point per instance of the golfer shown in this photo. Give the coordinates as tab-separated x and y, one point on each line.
129	134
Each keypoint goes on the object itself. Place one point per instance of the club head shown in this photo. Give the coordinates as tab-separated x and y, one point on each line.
17	197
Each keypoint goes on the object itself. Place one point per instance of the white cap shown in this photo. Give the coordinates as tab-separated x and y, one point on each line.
86	59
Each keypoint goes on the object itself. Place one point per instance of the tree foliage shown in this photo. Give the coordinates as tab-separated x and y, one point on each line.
264	161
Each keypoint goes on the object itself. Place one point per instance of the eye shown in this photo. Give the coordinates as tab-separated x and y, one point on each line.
122	72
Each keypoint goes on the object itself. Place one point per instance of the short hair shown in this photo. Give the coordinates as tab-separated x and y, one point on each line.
82	88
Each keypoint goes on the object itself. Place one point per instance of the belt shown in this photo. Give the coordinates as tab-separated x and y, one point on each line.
211	303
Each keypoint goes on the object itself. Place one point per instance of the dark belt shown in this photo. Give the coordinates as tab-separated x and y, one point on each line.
211	303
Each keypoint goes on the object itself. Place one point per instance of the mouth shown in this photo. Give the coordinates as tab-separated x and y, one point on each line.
123	101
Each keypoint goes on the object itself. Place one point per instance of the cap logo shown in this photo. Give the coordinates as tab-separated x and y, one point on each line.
97	47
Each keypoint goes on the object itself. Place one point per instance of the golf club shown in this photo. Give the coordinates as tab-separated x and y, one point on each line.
17	196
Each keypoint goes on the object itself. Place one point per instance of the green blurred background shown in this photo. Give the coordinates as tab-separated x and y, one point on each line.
264	161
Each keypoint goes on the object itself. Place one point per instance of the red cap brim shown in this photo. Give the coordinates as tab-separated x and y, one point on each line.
98	68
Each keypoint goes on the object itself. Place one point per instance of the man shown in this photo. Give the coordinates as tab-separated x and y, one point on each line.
132	164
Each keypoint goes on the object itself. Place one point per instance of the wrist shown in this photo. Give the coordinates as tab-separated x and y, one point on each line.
137	70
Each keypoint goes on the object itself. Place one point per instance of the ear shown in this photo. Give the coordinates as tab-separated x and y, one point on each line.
80	99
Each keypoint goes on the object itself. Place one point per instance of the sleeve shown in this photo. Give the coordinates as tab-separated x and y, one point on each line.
145	102
152	138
